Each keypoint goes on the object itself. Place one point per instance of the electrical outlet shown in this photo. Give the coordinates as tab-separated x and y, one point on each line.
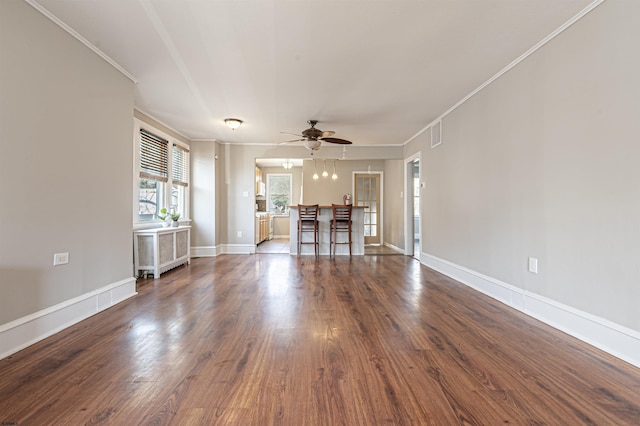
60	259
533	265
239	234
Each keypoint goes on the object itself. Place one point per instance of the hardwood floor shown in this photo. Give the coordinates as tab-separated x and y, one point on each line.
281	246
279	339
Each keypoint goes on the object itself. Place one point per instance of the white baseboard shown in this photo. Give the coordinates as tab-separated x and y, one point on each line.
204	251
26	331
238	249
213	251
617	340
392	247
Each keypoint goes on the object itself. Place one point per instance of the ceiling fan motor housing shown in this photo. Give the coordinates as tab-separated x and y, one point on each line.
312	133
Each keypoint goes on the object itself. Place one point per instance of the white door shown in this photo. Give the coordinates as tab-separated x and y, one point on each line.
367	193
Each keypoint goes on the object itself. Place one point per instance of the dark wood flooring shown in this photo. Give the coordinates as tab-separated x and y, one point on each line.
287	340
281	246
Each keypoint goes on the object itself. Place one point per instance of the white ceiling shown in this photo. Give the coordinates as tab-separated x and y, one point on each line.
375	72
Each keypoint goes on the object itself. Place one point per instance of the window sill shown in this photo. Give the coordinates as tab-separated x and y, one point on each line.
157	224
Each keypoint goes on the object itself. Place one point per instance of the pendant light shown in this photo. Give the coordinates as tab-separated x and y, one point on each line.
334	176
315	168
324	172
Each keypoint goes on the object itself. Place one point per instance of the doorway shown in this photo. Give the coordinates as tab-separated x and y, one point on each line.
412	207
367	194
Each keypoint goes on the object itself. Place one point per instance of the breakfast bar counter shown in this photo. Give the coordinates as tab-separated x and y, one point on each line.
324	217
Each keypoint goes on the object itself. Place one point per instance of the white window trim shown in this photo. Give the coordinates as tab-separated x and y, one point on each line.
268	194
137	125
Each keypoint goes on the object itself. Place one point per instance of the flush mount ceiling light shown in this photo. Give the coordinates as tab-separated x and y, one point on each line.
233	123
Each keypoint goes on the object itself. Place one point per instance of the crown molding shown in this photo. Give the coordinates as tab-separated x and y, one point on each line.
519	59
77	36
141	111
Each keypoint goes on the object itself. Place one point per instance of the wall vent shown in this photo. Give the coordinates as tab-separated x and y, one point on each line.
436	134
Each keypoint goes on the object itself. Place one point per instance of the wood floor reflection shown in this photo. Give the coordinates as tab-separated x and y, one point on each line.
281	246
363	340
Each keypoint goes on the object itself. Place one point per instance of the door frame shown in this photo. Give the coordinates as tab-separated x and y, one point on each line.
409	232
380	202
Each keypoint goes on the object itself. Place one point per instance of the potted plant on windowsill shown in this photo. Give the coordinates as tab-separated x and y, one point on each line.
174	218
165	215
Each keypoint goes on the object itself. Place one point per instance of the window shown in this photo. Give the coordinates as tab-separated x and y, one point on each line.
278	193
162	173
153	175
179	178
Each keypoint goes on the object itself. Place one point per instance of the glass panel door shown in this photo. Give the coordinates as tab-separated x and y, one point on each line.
367	194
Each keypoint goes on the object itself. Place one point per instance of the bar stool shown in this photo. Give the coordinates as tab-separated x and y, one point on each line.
341	222
308	222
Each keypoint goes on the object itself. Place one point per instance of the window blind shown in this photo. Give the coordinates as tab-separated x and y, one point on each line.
180	166
154	152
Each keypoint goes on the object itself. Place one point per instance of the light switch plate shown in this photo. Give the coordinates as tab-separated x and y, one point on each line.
533	265
60	259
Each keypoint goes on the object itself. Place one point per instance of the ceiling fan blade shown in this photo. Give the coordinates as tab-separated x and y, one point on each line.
326	134
291	141
337	140
292	134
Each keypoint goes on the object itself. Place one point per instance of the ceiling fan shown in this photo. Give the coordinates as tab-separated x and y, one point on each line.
313	137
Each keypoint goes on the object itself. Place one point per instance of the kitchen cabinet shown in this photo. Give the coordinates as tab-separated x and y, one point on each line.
260	187
262	226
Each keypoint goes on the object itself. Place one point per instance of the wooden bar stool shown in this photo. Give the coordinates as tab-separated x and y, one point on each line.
341	222
308	222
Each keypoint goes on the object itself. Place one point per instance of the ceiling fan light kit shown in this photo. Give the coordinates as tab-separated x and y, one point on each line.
312	145
233	123
313	137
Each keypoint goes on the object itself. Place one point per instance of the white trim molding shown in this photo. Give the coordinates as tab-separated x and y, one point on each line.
213	251
394	248
26	331
81	39
238	249
515	62
617	340
204	251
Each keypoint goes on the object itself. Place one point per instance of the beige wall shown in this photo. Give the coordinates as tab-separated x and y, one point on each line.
156	124
394	203
235	174
203	194
544	163
66	165
326	191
